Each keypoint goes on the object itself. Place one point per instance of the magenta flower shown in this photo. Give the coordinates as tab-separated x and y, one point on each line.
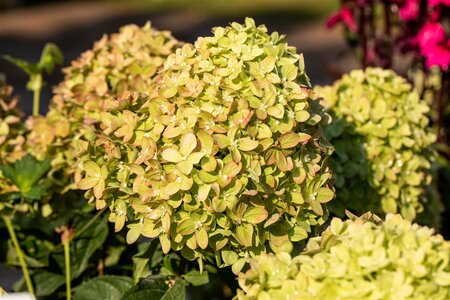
437	2
429	37
345	15
433	45
409	10
439	56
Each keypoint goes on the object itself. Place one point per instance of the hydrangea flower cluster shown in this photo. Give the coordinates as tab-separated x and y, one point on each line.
11	140
124	61
382	143
224	155
356	259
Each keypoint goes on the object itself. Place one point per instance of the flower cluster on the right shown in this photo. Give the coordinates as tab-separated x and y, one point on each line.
362	258
382	140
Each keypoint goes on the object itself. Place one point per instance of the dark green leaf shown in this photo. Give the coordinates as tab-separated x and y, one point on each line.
25	173
149	256
46	283
13	260
196	278
35	193
107	287
157	288
84	246
10	196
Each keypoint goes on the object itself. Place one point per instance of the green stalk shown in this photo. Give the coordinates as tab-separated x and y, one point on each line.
36	99
66	243
20	255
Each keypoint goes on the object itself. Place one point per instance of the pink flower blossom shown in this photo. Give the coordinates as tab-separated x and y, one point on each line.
409	11
439	56
429	36
433	45
345	15
437	2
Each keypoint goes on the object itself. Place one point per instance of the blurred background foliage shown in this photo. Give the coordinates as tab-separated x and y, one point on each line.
26	25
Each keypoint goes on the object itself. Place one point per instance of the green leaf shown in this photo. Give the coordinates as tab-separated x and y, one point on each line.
92	169
27	67
187	144
84	246
244	234
186	227
316	207
289	140
202	238
229	257
247	144
196	278
171	155
302	116
46	283
148	257
108	287
324	195
25	173
256	215
13	260
289	72
157	288
35	193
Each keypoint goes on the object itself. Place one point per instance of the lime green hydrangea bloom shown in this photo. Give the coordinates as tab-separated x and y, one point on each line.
356	259
382	139
224	157
125	61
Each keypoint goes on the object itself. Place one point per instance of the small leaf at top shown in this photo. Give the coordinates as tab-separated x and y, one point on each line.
50	57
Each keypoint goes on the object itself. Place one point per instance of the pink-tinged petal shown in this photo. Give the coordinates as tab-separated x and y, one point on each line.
345	15
410	10
439	56
349	20
334	19
429	36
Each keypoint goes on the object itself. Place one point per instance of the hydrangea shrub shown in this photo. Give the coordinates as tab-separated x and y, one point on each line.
356	259
382	140
124	61
224	157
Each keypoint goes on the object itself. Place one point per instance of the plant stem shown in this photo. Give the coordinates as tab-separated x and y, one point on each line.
36	99
362	34
388	33
65	237
20	255
85	227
